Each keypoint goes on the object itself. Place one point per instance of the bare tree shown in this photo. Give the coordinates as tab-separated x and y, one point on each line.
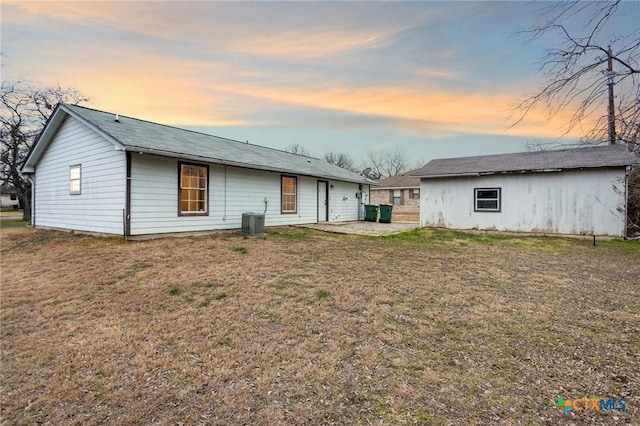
418	163
595	72
341	160
633	203
24	110
386	163
298	149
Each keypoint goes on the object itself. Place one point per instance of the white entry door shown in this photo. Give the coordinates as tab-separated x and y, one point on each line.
323	200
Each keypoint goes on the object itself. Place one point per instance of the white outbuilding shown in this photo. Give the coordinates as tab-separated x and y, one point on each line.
569	191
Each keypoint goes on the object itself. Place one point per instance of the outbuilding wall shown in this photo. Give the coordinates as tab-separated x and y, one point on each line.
588	201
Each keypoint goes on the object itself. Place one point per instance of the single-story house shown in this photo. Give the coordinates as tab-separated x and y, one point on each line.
8	197
569	191
403	191
100	172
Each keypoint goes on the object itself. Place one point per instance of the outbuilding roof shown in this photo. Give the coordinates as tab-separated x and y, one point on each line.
529	162
135	135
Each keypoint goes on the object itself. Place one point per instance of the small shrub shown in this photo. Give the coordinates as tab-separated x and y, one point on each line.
221	295
174	290
242	250
322	294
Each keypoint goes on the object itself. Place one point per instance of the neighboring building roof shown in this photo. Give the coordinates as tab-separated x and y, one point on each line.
538	161
134	135
404	180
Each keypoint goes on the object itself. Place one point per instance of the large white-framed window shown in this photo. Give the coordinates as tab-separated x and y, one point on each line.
289	194
487	199
193	189
75	179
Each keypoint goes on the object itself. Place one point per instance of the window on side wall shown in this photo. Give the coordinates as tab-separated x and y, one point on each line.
193	190
487	199
288	194
414	193
75	176
397	197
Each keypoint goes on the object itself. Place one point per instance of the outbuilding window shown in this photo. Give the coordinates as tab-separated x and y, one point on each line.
487	199
75	176
193	190
289	194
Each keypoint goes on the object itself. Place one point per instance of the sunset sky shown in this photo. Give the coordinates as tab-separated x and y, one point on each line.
433	79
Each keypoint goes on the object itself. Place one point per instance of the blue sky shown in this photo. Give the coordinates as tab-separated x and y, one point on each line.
432	79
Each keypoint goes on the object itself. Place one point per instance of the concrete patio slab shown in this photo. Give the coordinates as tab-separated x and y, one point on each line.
375	229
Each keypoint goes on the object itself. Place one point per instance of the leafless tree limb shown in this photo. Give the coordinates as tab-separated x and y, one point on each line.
341	160
575	70
24	110
298	149
386	163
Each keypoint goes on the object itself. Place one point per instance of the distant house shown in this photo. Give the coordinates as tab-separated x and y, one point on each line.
403	191
98	172
8	197
571	191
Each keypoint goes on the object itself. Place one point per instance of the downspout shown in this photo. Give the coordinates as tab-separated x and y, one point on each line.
127	208
32	179
224	215
627	172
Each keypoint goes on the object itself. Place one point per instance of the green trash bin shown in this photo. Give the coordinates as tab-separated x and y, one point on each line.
370	212
385	213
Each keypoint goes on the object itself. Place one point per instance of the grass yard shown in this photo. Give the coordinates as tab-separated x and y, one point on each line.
303	327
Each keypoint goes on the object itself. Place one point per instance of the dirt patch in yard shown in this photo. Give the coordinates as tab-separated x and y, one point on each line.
306	327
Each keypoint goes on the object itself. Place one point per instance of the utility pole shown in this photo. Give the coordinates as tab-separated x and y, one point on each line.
612	113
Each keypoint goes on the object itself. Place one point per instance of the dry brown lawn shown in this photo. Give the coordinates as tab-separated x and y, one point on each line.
303	327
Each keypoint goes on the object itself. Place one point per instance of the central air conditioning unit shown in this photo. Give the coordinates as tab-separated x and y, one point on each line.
252	223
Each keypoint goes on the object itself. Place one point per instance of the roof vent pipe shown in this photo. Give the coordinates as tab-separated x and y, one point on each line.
117	118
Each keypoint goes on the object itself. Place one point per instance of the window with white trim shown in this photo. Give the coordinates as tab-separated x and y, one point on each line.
75	176
193	190
289	194
487	199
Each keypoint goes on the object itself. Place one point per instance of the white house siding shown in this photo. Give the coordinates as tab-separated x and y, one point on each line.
232	191
343	202
570	202
9	201
99	206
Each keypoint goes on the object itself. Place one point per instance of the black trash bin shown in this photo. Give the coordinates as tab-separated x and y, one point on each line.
385	213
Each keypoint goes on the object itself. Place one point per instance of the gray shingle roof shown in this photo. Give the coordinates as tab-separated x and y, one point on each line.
538	161
144	136
404	180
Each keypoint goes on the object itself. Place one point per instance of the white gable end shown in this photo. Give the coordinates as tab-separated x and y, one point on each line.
99	204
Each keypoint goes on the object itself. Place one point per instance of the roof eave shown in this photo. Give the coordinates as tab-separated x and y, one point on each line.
50	129
504	172
239	164
399	187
